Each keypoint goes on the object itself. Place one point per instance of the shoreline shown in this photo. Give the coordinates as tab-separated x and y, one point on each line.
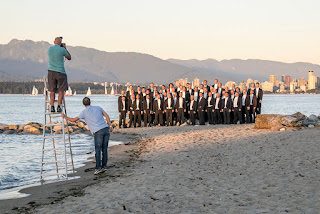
197	169
120	157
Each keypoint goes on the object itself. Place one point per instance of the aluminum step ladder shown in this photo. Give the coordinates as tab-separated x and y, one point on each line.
57	158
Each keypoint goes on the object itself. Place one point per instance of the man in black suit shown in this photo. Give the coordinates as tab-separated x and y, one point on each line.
147	108
122	108
227	104
253	106
168	109
122	94
201	109
180	109
192	107
245	103
131	102
217	109
236	108
210	108
138	110
259	95
158	110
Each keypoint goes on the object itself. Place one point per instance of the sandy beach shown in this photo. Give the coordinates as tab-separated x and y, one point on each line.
202	169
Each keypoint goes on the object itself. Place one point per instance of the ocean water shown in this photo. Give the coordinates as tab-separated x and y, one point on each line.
21	154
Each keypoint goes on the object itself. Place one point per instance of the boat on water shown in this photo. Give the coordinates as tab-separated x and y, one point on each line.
88	92
75	93
112	91
69	92
105	88
34	91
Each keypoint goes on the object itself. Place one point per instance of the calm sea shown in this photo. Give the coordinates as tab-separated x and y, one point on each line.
21	154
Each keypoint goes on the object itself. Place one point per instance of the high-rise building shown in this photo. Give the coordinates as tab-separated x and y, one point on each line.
312	80
267	86
273	79
287	80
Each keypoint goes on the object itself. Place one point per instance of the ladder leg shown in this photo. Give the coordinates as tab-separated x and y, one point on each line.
69	137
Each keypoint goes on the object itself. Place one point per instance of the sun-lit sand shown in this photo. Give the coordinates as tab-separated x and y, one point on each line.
211	169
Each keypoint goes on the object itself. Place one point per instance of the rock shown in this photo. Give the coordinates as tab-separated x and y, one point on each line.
13	127
115	123
313	117
282	129
34	124
3	127
310	126
268	121
10	131
30	129
299	116
81	124
289	121
57	128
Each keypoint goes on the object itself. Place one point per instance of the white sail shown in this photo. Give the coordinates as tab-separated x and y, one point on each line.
112	91
75	93
88	92
105	88
34	91
68	92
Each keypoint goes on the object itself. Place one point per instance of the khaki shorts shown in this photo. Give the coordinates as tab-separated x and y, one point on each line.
57	81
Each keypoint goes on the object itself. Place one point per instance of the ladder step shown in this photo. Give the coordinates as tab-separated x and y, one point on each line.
54	114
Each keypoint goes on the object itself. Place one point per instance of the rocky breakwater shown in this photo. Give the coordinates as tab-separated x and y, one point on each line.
37	128
282	122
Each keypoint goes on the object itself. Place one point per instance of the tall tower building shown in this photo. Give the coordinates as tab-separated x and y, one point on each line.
312	80
272	79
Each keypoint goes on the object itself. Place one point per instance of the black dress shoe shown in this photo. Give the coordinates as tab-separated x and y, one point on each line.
59	109
53	109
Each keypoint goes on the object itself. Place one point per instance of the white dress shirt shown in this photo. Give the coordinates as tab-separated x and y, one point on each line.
235	102
244	99
124	105
209	101
180	102
217	103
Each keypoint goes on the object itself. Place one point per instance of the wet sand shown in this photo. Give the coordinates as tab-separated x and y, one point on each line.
202	169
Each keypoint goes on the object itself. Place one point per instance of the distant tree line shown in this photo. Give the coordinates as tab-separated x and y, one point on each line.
26	88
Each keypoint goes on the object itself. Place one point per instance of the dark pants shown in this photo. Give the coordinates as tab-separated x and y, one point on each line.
201	117
192	115
137	118
226	116
169	120
216	116
147	118
101	141
122	119
252	114
245	115
130	118
237	116
210	115
180	116
258	109
158	120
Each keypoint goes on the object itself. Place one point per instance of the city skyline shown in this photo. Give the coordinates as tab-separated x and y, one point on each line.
285	30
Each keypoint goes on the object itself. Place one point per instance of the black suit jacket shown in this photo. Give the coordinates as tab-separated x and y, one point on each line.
120	106
183	104
145	107
202	104
229	103
166	104
195	106
155	105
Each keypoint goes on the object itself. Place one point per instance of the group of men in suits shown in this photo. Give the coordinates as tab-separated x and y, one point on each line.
170	105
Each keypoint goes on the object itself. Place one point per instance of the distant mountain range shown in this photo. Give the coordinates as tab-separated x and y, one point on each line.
25	60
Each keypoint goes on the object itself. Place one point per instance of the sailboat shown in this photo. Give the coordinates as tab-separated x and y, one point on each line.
69	92
105	88
34	91
112	90
88	92
75	93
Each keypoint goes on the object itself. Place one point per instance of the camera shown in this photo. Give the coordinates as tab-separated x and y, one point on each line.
63	45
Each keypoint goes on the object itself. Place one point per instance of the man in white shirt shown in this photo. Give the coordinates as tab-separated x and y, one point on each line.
227	104
158	107
192	110
180	109
123	108
138	110
168	109
217	109
236	108
210	108
147	110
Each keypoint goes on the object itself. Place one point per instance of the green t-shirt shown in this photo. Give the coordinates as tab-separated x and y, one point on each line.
56	56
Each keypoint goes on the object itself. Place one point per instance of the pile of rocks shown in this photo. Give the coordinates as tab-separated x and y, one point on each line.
281	122
37	128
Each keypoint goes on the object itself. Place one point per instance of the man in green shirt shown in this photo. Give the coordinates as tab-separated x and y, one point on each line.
57	77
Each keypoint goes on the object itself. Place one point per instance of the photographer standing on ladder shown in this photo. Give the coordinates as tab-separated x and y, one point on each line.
57	77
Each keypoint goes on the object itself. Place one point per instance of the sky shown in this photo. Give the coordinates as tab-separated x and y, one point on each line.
280	30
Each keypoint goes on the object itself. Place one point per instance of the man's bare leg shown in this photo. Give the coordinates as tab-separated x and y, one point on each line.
52	97
60	98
